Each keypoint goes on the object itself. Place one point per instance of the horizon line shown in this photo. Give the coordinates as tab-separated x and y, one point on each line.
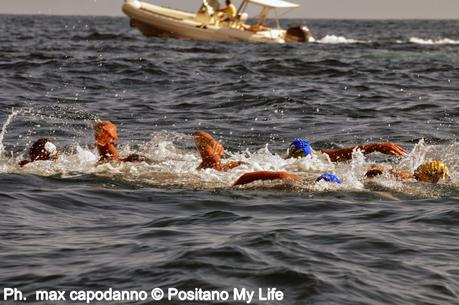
310	18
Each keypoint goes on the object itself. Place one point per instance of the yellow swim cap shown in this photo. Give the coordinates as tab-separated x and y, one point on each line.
432	171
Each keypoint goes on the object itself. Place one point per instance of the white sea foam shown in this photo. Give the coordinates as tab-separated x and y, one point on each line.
4	127
172	162
442	41
169	166
333	39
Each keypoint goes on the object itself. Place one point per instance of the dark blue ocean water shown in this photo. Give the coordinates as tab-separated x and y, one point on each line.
75	225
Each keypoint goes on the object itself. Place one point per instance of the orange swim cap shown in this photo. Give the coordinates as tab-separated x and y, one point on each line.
105	133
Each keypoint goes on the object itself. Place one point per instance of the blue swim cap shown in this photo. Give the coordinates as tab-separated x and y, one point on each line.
329	178
299	148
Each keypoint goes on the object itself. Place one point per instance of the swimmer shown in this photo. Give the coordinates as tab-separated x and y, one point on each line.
300	148
431	171
106	135
265	175
327	177
211	152
41	150
285	176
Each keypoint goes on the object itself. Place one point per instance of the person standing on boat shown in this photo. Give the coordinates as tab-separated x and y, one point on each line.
229	11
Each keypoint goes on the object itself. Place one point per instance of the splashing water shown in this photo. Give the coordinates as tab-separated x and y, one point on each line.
416	157
4	127
171	164
421	41
333	39
358	168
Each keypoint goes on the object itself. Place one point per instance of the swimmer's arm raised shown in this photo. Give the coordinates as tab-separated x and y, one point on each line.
265	175
211	152
345	154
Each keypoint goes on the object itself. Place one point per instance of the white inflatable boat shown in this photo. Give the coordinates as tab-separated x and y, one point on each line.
208	24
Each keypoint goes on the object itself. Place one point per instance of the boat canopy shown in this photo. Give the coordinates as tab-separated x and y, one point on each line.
274	3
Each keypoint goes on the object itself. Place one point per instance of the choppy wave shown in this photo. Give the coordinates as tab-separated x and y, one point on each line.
333	39
442	41
76	224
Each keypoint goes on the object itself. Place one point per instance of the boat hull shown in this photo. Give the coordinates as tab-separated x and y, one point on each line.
150	31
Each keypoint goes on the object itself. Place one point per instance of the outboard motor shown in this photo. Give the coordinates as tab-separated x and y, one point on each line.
205	12
298	34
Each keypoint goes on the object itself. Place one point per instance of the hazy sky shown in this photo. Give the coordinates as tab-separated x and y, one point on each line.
397	9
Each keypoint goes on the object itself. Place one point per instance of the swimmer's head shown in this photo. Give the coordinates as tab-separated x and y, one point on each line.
299	148
329	178
105	133
43	149
432	171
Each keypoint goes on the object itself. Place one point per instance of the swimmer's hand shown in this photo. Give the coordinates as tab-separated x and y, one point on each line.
230	165
399	174
374	171
385	148
24	163
134	158
265	175
219	166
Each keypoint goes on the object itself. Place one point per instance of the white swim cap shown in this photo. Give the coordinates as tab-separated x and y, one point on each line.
51	149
